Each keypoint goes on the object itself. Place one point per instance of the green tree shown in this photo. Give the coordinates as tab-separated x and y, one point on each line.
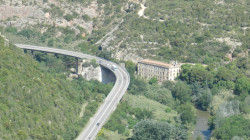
200	75
153	81
225	74
204	99
233	126
242	86
139	87
130	66
182	92
187	113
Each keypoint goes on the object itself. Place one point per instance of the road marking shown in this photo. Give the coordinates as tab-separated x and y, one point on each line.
109	103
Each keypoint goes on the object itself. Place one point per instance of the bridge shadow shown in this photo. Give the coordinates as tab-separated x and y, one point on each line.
107	75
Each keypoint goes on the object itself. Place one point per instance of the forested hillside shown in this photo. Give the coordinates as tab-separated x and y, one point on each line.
211	32
39	103
186	30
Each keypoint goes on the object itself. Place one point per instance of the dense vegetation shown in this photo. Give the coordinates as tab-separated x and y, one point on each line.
37	101
189	31
212	32
222	90
152	130
184	30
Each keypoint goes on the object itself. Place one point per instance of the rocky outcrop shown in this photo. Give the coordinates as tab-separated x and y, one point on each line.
22	14
91	72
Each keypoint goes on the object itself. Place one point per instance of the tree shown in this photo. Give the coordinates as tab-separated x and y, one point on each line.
233	126
187	113
153	81
225	74
153	130
200	75
182	92
169	85
161	95
130	66
139	87
202	97
242	85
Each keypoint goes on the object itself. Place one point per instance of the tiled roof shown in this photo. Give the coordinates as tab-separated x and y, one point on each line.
157	63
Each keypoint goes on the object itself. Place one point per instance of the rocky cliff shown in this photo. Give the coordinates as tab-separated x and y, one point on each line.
22	14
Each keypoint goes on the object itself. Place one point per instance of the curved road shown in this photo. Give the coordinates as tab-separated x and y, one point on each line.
113	98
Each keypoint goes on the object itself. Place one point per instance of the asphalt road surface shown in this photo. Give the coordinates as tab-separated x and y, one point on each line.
110	103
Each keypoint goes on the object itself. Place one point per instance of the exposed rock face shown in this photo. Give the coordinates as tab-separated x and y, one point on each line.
20	14
91	72
125	55
24	12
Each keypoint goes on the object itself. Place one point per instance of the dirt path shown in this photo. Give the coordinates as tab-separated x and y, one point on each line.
83	110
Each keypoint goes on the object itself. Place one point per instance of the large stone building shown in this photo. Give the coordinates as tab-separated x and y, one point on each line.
162	71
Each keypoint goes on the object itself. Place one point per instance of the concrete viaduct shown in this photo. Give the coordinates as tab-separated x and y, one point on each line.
109	105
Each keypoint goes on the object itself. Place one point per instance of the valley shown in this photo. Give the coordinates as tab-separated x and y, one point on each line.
42	96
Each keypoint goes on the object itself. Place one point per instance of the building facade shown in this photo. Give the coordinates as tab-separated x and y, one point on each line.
162	71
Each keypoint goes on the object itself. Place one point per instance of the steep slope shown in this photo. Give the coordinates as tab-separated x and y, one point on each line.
36	104
189	31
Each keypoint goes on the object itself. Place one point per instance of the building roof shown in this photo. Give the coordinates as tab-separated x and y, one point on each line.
157	63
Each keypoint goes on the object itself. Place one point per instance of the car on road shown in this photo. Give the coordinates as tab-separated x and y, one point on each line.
113	67
98	124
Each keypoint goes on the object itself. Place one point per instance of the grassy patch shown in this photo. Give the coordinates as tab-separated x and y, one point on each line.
159	110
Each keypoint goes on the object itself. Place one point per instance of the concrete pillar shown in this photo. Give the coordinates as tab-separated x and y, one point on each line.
78	65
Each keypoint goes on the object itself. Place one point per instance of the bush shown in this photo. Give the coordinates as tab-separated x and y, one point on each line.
69	17
27	33
86	18
12	30
153	81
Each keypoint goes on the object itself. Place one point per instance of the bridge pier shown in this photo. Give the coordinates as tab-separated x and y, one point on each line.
78	65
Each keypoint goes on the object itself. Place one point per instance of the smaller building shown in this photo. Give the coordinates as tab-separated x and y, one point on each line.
162	71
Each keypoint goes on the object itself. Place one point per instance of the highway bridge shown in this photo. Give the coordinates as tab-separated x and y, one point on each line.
110	103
